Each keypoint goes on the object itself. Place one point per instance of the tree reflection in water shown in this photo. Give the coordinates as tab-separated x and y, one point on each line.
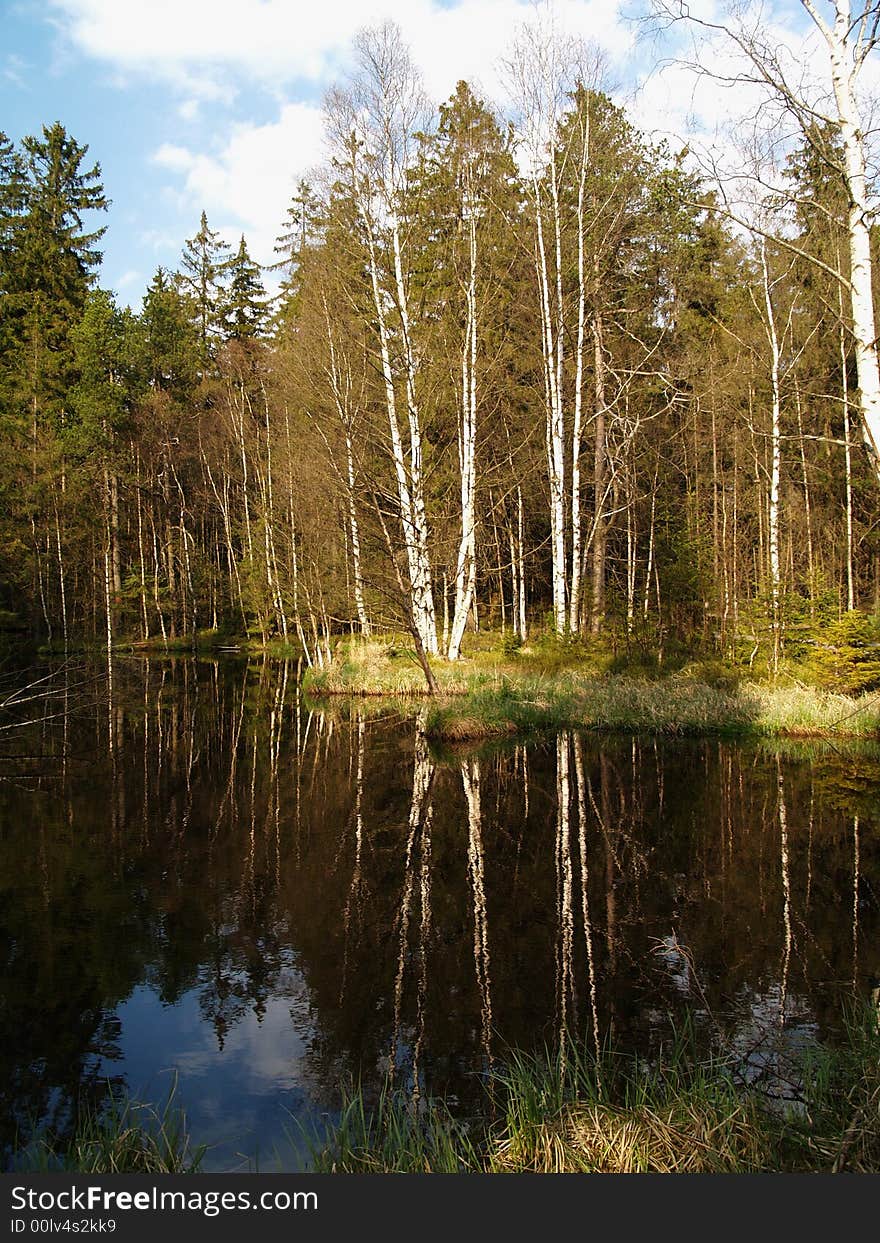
277	901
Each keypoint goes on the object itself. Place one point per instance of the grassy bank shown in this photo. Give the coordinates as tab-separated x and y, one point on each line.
493	695
121	1137
572	1111
577	1113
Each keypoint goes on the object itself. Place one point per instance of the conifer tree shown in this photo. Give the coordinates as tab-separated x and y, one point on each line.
299	232
169	341
246	307
11	206
50	266
202	264
54	264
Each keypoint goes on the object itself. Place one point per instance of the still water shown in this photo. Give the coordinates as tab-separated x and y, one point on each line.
202	879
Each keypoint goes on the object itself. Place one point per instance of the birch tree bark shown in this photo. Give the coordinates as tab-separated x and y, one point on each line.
849	34
775	453
540	72
372	126
849	39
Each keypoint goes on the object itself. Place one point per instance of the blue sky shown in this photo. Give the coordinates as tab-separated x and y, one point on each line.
215	104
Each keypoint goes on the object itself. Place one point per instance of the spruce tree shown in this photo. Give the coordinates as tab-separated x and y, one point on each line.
54	265
49	263
202	264
101	396
169	341
11	206
246	307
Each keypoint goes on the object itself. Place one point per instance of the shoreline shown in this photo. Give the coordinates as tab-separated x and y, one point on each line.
483	706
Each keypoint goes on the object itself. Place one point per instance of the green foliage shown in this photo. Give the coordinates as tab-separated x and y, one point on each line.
395	1136
47	264
549	652
579	1109
101	398
167	339
718	674
510	644
846	657
244	309
200	280
121	1137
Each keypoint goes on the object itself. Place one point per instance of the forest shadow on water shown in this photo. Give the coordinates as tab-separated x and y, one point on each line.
204	882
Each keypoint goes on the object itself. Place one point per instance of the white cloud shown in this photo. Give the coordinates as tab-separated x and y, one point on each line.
732	122
188	110
247	184
15	70
178	159
197	44
242	174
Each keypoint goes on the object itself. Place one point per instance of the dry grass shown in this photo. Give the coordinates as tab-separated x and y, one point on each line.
573	1111
687	1137
388	666
491	700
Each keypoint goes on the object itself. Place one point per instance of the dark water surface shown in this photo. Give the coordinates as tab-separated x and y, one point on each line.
203	877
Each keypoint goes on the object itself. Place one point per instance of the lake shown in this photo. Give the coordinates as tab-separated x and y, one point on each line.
205	880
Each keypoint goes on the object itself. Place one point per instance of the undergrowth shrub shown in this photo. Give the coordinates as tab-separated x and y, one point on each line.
846	655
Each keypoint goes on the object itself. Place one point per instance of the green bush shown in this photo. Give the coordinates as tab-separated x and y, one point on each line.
551	651
846	655
510	643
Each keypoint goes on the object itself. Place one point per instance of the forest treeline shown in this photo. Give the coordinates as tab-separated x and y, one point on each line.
521	373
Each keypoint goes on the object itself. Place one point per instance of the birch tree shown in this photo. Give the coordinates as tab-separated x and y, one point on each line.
540	73
372	124
464	188
825	91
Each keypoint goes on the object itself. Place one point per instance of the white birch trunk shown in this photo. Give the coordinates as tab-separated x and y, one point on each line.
599	484
847	55
466	564
650	564
405	499
521	575
775	458
850	586
422	591
359	601
574	606
342	398
808	517
555	431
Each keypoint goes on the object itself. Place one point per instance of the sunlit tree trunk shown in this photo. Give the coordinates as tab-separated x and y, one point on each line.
466	563
597	613
775	456
849	41
574	617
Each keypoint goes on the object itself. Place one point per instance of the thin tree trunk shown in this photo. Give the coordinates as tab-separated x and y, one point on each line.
599	467
850	590
808	517
847	59
775	460
466	563
574	616
61	579
555	428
